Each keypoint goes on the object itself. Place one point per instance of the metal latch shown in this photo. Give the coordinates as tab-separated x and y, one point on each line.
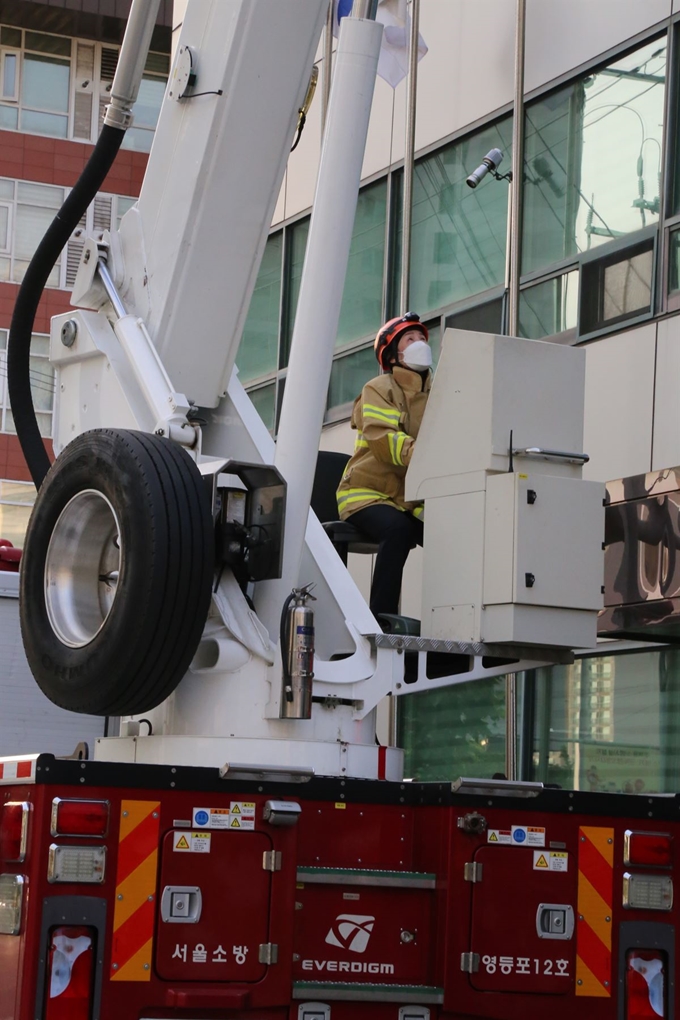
469	963
554	921
414	1013
268	952
181	904
271	860
472	871
314	1011
281	812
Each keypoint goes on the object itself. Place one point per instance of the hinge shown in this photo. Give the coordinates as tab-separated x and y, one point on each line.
271	860
268	952
472	871
469	962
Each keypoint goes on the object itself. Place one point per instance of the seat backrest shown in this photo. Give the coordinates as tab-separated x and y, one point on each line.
329	470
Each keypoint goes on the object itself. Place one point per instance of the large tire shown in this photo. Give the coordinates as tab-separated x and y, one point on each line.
117	572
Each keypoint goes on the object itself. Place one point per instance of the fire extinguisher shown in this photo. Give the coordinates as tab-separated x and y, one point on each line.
297	654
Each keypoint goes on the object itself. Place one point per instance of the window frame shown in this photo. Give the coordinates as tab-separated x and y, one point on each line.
606	254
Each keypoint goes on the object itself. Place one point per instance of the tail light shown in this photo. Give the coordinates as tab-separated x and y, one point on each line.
653	849
79	817
645	984
14	831
70	974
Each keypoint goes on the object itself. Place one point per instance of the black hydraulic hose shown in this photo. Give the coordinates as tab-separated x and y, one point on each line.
30	292
284	633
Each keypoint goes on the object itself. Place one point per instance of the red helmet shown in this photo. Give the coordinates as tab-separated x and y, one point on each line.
391	331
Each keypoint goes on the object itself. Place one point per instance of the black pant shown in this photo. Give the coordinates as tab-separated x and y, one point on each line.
397	532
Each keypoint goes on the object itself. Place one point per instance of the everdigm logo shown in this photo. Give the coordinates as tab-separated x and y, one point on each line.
351	931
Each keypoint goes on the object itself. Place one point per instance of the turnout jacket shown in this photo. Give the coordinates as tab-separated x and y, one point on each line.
387	418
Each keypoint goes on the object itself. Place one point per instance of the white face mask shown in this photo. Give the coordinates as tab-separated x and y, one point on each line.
417	355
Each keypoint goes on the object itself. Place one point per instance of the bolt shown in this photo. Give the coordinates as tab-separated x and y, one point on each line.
119	896
159	432
583	839
86	256
606	984
69	332
150	899
608	919
580	917
154	814
125	814
610	840
146	966
114	966
579	982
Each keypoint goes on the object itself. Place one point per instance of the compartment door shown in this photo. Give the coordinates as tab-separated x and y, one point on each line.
523	920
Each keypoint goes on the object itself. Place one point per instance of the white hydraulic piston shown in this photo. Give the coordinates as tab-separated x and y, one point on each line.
318	309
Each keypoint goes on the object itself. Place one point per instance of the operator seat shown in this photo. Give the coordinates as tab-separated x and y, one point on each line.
345	536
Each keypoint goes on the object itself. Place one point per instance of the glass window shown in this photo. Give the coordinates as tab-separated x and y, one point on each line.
361	310
9	75
257	353
617	288
486	317
549	308
148	106
609	724
593	158
10	37
458	233
44	43
264	399
674	261
42	385
46	83
349	376
454	731
296	245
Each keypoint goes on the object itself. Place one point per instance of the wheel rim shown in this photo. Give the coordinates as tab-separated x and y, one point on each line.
82	568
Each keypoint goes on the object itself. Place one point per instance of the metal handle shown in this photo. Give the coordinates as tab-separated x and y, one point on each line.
538	451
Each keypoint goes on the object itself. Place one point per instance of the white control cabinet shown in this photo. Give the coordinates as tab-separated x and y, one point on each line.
513	534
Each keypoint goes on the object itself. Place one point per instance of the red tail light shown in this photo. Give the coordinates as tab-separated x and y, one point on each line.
14	831
70	974
79	817
645	984
653	849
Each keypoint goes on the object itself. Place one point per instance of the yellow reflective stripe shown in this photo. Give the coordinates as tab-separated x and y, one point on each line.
360	442
418	511
357	495
381	414
396	442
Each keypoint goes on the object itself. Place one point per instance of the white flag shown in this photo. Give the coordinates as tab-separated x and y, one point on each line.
394	16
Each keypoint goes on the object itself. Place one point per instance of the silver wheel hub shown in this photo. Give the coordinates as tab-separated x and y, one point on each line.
82	568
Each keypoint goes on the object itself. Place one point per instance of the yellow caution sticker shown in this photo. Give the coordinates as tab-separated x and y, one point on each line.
551	860
191	842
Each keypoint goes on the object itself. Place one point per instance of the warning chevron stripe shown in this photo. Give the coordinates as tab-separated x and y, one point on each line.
595	898
136	876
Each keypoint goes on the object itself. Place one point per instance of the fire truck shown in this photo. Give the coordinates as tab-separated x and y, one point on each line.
168	577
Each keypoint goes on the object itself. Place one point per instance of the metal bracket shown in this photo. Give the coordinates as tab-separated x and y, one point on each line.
268	952
271	860
469	963
473	871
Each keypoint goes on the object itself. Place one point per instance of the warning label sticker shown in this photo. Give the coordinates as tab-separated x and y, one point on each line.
528	835
240	811
499	836
551	860
191	842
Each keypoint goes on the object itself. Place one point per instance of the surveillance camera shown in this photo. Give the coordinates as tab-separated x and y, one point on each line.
491	161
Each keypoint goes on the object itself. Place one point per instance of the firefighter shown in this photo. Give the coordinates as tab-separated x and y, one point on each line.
387	417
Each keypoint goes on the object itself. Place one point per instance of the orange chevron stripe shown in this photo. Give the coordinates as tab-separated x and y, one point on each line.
595	898
136	877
